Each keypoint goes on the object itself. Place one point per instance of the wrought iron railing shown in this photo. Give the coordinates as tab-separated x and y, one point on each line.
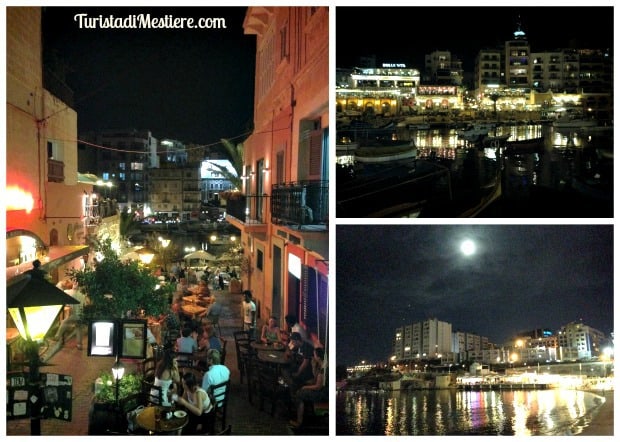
300	203
249	209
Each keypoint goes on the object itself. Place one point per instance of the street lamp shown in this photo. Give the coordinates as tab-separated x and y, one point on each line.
118	370
33	304
146	255
164	243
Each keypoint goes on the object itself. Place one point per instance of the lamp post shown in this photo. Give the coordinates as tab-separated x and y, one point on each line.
118	370
164	243
146	255
33	304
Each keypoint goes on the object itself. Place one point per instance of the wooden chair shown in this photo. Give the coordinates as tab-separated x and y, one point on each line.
184	359
147	367
154	394
244	350
219	396
215	322
223	352
270	387
127	404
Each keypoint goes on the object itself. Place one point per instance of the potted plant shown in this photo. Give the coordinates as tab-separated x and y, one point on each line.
104	415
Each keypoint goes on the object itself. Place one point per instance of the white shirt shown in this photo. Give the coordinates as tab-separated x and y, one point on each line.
248	308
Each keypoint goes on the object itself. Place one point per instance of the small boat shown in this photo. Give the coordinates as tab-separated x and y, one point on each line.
525	146
344	148
495	141
574	123
475	132
419	126
386	151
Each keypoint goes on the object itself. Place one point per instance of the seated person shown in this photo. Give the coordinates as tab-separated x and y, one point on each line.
314	391
196	401
167	377
186	343
301	355
217	372
271	331
203	289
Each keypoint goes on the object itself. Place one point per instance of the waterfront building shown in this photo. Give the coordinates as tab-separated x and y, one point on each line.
517	60
441	68
174	191
122	157
389	90
487	69
282	209
52	210
577	340
428	339
172	151
213	182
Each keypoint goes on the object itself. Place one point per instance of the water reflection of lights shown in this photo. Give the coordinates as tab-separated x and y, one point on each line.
519	412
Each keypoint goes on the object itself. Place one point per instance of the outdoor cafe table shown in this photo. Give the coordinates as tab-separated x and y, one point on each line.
194	310
146	419
266	347
274	357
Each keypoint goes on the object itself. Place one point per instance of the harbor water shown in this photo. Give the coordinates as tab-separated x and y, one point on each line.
570	175
456	412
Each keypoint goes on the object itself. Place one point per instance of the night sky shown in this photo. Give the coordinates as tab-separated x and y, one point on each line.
194	85
521	277
406	34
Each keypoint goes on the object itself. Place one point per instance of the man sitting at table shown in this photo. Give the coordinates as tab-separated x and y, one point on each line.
186	343
301	355
217	372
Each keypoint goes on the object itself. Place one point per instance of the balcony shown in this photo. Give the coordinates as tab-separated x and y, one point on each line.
55	171
302	204
248	209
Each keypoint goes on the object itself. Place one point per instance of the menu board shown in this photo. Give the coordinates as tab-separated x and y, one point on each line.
55	391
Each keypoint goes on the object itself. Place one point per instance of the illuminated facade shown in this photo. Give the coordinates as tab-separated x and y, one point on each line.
388	90
174	190
124	158
578	341
45	201
213	181
441	68
429	339
282	211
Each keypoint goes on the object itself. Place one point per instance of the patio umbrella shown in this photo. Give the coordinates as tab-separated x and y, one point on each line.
199	254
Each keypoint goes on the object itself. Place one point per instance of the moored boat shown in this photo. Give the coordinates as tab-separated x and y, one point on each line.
525	146
574	123
385	151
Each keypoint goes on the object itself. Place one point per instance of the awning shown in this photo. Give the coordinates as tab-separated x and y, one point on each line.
88	178
57	256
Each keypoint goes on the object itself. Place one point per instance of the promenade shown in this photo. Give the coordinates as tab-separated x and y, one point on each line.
245	418
602	420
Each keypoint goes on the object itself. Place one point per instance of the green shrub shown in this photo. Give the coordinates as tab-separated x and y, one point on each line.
130	384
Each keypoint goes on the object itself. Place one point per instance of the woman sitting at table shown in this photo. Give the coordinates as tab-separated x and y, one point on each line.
271	331
196	401
315	391
167	377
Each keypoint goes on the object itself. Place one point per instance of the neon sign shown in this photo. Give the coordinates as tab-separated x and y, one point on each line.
18	199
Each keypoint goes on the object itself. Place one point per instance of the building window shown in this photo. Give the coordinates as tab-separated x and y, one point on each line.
54	152
259	259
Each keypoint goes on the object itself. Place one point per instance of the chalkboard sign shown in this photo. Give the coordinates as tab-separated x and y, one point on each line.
56	391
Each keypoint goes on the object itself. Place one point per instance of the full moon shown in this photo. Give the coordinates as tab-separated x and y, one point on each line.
468	247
